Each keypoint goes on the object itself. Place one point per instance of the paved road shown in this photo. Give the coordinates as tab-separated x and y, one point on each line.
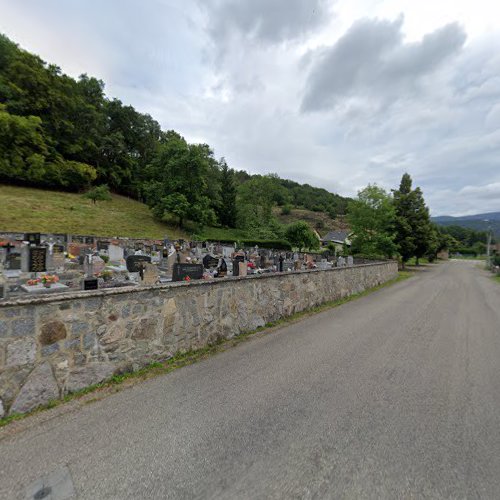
395	395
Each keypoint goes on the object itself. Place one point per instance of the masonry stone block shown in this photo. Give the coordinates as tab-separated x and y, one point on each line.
52	332
39	389
21	352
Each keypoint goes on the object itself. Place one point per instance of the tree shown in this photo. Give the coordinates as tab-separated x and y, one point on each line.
425	239
98	193
183	169
301	236
414	234
404	204
175	204
227	207
371	218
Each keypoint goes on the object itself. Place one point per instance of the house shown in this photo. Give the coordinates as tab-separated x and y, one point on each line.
338	238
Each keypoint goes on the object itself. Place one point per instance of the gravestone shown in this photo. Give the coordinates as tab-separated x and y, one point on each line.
32	238
98	264
90	284
297	265
210	262
115	253
350	261
102	246
150	274
57	249
58	261
135	263
242	269
13	261
239	259
193	271
222	269
281	260
227	251
37	260
4	287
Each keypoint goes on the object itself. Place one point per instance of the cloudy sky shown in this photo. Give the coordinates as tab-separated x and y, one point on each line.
336	93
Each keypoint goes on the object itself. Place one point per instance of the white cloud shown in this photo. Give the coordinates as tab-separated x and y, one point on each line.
401	90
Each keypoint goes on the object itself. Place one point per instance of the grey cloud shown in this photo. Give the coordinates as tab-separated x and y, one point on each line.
372	60
265	20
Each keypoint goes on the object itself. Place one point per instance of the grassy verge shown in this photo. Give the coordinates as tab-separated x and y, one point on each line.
120	382
468	257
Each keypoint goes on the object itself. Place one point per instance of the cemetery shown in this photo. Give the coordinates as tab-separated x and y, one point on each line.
77	309
37	264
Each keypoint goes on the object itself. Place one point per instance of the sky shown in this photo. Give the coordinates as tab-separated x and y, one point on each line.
335	93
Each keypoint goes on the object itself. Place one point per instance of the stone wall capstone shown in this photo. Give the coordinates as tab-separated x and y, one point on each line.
53	345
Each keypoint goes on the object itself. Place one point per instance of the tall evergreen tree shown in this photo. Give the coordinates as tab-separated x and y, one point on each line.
227	211
404	203
414	234
422	227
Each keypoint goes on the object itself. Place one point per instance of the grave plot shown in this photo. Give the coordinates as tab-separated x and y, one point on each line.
36	263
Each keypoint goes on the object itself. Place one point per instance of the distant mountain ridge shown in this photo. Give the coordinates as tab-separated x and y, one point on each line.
478	222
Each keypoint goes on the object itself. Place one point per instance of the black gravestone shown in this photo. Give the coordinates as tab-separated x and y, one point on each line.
222	269
135	263
281	259
193	271
210	262
165	253
14	261
37	259
58	249
32	238
102	245
90	284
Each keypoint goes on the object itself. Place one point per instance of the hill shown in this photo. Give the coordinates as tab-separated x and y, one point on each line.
37	210
478	222
320	221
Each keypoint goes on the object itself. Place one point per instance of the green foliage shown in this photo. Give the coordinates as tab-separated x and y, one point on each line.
98	193
226	212
62	133
463	236
26	158
301	236
371	218
179	181
315	199
286	209
404	203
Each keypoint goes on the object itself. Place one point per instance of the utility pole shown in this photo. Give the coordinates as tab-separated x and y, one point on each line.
488	245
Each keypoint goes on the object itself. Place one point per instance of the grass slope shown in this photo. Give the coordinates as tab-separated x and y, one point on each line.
27	209
320	221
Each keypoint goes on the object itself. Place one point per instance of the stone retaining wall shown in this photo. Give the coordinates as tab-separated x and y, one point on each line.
53	345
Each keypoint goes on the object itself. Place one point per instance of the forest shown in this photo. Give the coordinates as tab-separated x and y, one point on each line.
57	132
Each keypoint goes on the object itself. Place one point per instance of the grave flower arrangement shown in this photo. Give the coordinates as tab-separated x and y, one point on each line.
187	278
49	279
33	282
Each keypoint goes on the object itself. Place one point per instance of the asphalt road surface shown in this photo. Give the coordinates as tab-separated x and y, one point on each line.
394	395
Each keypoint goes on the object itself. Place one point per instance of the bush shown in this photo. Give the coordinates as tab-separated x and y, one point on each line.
286	209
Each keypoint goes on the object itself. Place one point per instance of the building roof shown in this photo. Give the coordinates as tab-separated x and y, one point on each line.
336	236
